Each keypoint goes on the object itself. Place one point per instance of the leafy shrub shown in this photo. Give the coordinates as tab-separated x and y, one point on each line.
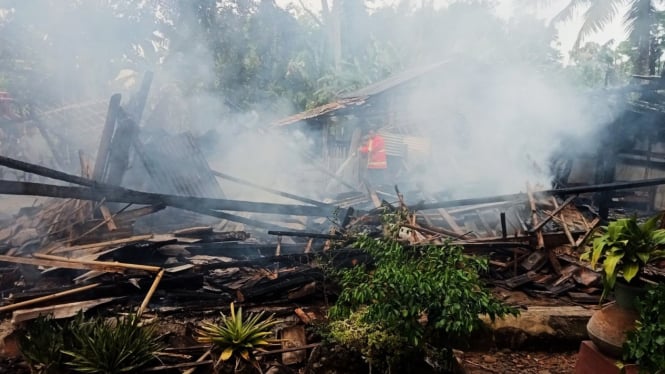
111	347
423	295
626	247
646	344
41	345
235	337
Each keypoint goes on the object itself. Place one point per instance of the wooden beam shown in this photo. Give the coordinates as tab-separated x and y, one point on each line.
58	311
54	296
105	140
269	190
151	291
100	245
534	217
102	264
122	195
554	213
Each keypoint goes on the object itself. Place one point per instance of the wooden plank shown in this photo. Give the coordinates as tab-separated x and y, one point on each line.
108	218
294	337
58	311
584	237
534	217
151	291
105	141
54	296
96	246
51	263
562	219
556	211
96	265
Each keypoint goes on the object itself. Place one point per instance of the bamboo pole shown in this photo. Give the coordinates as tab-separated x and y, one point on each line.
151	291
117	265
36	300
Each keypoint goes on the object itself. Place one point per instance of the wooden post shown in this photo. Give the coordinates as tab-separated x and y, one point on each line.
534	217
107	135
504	231
151	291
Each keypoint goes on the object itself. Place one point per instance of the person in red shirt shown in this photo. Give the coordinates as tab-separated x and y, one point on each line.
377	163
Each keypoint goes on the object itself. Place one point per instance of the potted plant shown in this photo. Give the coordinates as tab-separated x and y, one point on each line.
625	247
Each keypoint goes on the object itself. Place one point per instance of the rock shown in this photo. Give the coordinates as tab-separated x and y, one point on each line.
489	359
544	325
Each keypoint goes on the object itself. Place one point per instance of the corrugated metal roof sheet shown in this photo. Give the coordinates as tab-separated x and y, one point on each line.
398	144
177	166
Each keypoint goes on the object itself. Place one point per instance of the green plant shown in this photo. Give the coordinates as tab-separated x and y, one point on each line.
625	248
646	344
41	345
371	340
430	294
238	338
111	347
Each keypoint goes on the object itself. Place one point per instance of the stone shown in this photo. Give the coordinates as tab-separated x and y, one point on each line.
540	325
489	359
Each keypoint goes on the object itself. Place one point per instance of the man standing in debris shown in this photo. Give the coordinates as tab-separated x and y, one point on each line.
377	164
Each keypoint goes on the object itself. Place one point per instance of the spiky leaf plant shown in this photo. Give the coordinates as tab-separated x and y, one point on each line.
103	347
238	337
41	344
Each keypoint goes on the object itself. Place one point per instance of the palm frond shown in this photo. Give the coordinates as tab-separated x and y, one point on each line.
599	15
640	18
567	13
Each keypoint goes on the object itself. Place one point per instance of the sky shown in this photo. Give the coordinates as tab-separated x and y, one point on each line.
510	8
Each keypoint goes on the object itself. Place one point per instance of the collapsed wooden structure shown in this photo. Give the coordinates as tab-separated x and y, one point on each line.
102	241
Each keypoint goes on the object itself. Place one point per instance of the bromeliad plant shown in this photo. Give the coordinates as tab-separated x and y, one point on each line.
625	248
111	347
235	337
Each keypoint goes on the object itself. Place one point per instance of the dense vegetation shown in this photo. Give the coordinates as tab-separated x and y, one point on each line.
254	55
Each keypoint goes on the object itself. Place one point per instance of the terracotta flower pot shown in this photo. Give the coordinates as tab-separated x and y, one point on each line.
609	326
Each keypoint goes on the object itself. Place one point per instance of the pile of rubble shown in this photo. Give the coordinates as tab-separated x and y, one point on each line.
95	244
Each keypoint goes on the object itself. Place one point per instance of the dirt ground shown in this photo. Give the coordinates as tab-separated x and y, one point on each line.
519	362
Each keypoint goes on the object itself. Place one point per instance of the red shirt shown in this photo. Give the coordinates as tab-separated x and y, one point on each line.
376	150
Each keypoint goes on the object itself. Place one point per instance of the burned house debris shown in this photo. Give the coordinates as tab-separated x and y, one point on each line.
149	237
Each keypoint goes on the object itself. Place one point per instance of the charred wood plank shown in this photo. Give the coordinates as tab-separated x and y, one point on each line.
534	217
553	214
302	234
107	135
283	284
557	192
122	195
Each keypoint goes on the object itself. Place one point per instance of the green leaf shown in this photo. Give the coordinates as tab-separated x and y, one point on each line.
630	271
610	263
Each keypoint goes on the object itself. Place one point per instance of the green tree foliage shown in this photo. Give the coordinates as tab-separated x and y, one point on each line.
248	54
423	295
595	66
643	22
646	344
